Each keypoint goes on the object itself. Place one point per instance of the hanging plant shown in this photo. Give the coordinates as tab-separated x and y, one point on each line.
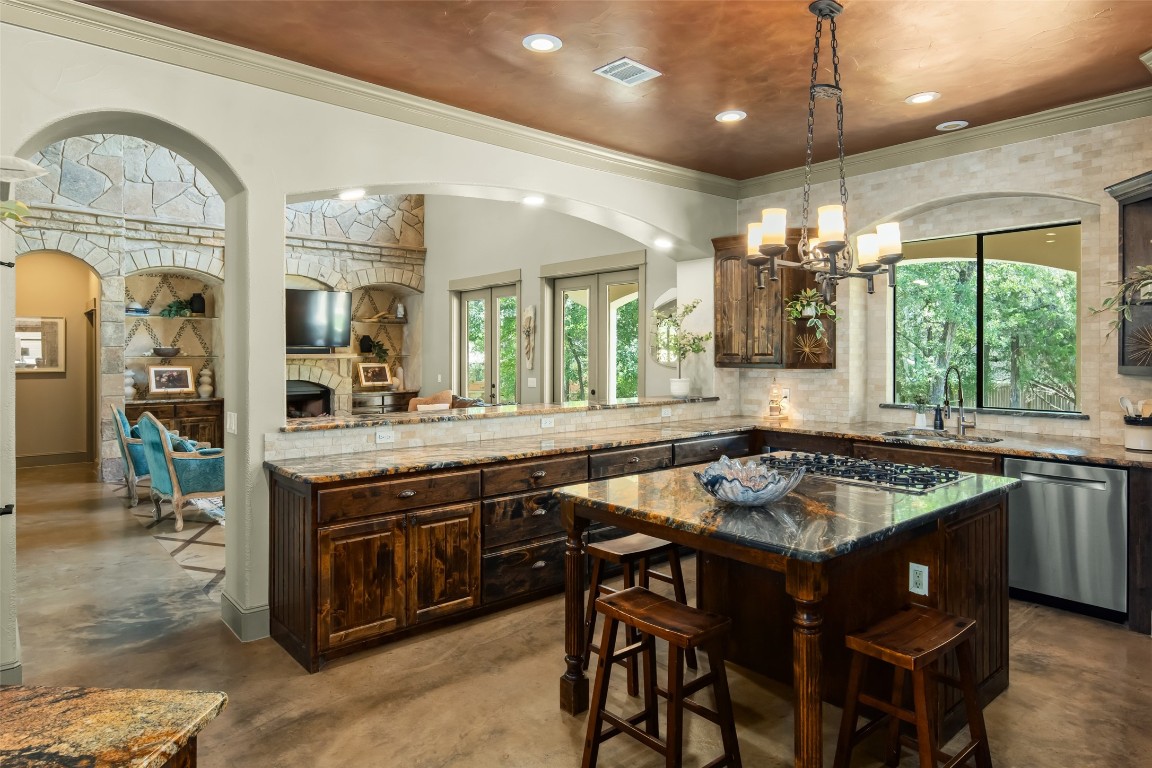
809	305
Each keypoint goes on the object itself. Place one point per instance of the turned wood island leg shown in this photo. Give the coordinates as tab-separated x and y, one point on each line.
573	684
807	585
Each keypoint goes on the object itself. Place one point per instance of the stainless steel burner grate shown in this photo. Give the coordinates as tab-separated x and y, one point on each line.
877	473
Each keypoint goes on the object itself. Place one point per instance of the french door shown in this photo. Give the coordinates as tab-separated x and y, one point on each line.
598	326
491	347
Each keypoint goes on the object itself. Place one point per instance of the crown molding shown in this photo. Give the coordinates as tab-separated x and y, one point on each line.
1074	117
96	26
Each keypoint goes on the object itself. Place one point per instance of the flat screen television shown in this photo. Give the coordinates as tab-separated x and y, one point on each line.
317	320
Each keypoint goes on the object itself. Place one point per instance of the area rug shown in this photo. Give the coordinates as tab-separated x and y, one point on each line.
199	548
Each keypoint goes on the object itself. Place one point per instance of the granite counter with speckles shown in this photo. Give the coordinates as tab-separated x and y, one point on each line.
100	727
819	520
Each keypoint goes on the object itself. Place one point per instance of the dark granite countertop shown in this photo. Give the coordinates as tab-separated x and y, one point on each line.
819	520
99	727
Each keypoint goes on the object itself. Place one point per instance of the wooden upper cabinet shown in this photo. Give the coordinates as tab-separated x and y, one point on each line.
751	327
1135	334
443	561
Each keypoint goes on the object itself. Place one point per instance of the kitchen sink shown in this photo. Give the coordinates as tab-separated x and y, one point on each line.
938	435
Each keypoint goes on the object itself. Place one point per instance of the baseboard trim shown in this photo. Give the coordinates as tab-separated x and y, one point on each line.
13	675
53	459
246	625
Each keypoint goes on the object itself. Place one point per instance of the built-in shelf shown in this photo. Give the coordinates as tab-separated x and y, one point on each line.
162	317
170	357
383	321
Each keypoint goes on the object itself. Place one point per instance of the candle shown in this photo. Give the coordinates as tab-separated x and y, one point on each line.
754	239
772	224
867	249
831	221
888	236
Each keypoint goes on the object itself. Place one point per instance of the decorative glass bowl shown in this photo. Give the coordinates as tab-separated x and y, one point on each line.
748	485
166	351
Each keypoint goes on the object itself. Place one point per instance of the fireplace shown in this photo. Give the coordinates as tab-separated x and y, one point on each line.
307	399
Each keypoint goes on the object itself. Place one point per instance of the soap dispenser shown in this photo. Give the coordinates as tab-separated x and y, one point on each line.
938	419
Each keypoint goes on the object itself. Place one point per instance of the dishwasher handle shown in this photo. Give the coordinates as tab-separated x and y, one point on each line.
1075	482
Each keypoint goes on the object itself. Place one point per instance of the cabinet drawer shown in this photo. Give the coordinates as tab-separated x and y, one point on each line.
711	448
199	409
627	461
397	495
161	412
523	570
520	518
534	475
792	441
961	460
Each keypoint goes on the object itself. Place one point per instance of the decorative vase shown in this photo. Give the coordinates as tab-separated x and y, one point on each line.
129	386
398	377
366	344
921	418
680	387
205	388
399	311
808	311
196	304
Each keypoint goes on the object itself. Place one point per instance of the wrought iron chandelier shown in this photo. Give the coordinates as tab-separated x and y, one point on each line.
828	255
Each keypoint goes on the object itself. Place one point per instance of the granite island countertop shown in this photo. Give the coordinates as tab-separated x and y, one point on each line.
100	727
394	461
819	520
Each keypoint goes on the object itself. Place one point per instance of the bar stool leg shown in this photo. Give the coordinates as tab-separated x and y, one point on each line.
631	636
972	704
674	745
893	757
599	693
848	720
590	613
724	704
924	735
651	705
677	574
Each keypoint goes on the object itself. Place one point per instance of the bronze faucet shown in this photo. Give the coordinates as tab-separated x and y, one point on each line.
961	424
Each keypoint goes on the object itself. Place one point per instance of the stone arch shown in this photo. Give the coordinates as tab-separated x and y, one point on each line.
195	263
338	383
316	270
943	202
75	244
386	276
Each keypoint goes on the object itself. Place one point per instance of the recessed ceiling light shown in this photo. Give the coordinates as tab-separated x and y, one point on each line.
922	98
952	125
662	243
533	200
351	194
731	116
543	43
1049	234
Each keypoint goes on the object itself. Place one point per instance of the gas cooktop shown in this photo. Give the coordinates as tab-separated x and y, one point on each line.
877	473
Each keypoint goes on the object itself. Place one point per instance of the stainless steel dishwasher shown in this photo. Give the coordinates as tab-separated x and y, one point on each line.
1068	533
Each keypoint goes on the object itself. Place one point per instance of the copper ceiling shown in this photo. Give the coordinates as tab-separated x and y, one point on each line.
990	60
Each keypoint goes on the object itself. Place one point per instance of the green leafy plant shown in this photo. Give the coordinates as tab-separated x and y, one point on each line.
1134	289
14	210
379	351
680	342
809	305
177	308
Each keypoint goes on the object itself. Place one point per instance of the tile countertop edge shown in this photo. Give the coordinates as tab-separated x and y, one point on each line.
484	412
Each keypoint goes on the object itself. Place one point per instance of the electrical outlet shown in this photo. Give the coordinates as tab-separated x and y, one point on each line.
385	435
917	579
547	422
784	393
665	412
230	422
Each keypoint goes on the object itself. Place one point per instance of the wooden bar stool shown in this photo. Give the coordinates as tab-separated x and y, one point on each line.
684	628
914	640
636	550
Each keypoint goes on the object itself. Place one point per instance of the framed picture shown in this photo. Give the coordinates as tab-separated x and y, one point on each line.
170	380
373	374
39	345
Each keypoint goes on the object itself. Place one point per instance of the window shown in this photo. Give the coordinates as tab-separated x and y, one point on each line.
1001	307
597	336
490	334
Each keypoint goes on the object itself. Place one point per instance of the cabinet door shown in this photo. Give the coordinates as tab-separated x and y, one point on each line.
443	561
764	334
361	580
202	429
731	332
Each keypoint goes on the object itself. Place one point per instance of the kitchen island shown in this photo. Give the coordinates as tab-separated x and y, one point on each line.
827	559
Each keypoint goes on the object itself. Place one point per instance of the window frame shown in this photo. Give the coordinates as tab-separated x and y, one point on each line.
490	295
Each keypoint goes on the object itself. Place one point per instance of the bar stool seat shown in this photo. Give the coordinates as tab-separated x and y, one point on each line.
635	552
914	640
683	627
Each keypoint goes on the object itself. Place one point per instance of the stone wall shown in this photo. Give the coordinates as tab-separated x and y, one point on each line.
377	219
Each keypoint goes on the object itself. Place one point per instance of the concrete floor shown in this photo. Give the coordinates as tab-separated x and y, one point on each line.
102	604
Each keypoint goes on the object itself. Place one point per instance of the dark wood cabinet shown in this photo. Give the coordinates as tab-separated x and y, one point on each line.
361	581
711	448
629	461
752	329
1135	334
979	463
199	420
443	561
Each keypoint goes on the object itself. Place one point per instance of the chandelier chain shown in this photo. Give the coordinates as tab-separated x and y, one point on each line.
839	120
811	135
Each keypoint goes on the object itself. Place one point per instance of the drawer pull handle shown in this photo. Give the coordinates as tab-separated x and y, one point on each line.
539	473
539	511
714	448
539	564
406	494
634	460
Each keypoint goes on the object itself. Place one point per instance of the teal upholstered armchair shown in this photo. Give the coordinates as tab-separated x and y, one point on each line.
132	452
179	475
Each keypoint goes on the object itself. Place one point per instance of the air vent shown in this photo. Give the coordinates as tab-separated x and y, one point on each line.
627	72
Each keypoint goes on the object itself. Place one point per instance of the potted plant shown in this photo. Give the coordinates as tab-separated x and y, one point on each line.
680	342
1134	289
921	402
177	308
809	305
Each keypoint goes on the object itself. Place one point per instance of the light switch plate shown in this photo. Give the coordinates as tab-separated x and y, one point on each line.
230	422
665	412
531	383
547	422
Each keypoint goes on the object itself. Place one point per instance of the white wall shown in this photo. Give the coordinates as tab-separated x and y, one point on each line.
468	237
